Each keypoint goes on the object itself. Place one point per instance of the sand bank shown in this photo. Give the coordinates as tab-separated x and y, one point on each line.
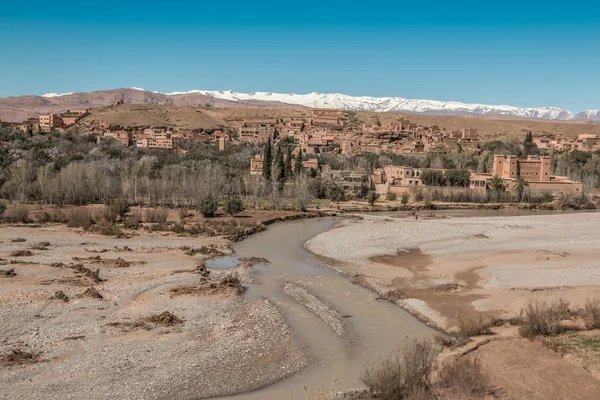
456	265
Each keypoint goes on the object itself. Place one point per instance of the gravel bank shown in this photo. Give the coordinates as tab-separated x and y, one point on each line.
94	348
330	316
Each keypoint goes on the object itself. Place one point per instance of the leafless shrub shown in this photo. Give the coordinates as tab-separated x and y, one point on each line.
81	218
591	314
17	214
403	375
472	325
463	379
541	318
444	341
109	229
133	221
18	240
53	215
156	216
109	214
183	214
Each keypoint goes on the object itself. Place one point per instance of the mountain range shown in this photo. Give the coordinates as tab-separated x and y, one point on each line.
19	108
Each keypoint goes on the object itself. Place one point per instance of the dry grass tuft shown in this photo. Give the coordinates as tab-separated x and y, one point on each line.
17	214
81	218
591	314
156	216
463	379
18	240
473	325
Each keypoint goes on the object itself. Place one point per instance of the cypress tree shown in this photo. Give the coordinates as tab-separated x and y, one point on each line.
528	138
279	166
266	172
298	165
288	164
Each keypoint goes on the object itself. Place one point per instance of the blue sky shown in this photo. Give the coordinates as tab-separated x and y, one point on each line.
522	53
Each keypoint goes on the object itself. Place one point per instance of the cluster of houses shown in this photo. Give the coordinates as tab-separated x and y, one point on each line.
584	142
48	122
321	131
535	171
329	130
256	164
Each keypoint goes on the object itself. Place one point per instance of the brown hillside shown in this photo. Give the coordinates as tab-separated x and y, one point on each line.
138	115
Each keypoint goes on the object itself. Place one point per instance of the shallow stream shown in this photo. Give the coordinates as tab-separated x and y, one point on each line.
376	327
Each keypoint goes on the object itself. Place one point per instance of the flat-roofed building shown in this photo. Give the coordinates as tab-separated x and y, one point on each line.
256	164
50	121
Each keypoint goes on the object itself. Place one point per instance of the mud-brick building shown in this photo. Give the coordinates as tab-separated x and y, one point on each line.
536	171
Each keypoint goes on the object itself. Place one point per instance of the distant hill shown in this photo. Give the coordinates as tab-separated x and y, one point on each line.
17	109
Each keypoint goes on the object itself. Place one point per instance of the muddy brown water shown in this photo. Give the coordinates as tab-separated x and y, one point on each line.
376	328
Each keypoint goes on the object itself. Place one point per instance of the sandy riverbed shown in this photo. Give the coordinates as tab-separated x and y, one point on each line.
439	268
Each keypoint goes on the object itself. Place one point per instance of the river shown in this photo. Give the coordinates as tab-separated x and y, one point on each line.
376	327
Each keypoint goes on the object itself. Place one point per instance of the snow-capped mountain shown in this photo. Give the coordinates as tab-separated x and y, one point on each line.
382	104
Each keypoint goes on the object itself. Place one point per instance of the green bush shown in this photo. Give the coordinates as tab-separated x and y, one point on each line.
234	205
208	207
373	196
405	198
392	196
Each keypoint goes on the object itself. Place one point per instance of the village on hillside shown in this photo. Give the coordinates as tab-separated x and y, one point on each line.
332	131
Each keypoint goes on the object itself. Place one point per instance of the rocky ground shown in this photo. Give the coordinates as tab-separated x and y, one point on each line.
85	315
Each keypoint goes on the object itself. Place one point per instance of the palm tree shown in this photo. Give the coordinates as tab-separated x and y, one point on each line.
498	186
521	187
